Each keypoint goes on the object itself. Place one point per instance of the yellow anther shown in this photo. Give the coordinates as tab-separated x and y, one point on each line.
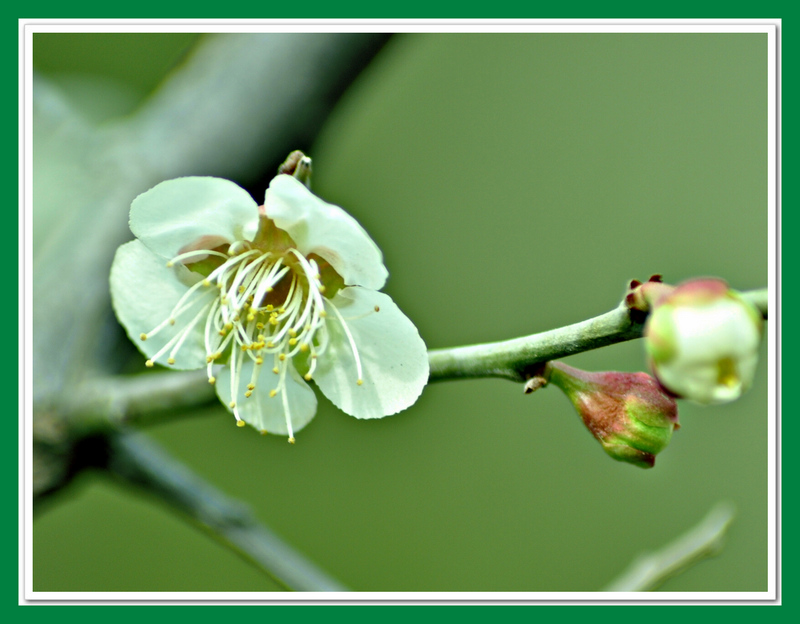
323	314
251	317
245	347
273	320
149	363
291	440
170	264
232	404
292	341
248	394
360	382
307	376
281	310
251	386
263	432
275	370
321	289
206	282
292	332
143	336
282	357
272	393
212	380
269	307
228	326
171	321
260	325
170	361
270	345
377	308
222	332
240	423
304	347
241	289
259	360
209	359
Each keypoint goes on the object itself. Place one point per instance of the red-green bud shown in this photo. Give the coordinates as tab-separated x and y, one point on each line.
628	413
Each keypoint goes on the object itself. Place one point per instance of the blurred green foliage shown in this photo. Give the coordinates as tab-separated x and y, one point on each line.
514	182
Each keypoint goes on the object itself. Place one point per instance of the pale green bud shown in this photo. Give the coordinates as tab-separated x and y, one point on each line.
702	341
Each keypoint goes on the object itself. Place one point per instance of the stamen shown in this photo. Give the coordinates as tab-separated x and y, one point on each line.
239	324
286	412
179	338
197	252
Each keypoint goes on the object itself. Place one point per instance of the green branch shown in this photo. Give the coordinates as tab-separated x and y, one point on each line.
515	359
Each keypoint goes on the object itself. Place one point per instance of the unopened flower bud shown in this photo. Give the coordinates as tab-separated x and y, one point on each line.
702	341
628	413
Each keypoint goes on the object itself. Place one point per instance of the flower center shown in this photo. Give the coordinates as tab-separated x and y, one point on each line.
262	307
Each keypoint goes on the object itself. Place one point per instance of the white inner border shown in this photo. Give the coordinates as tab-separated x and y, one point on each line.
27	28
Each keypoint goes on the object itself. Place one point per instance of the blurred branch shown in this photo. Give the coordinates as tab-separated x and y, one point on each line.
107	403
649	570
137	461
514	359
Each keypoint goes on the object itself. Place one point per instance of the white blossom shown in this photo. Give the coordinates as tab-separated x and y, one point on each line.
266	298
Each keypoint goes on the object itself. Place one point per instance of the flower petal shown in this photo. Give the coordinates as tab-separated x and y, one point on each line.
326	230
176	213
144	293
394	359
262	411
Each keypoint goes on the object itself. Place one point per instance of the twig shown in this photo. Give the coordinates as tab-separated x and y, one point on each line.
514	359
139	462
649	570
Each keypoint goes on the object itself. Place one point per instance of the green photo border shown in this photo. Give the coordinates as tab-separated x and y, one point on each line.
414	9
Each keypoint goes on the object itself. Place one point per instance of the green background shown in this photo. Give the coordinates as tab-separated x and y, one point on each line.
515	183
